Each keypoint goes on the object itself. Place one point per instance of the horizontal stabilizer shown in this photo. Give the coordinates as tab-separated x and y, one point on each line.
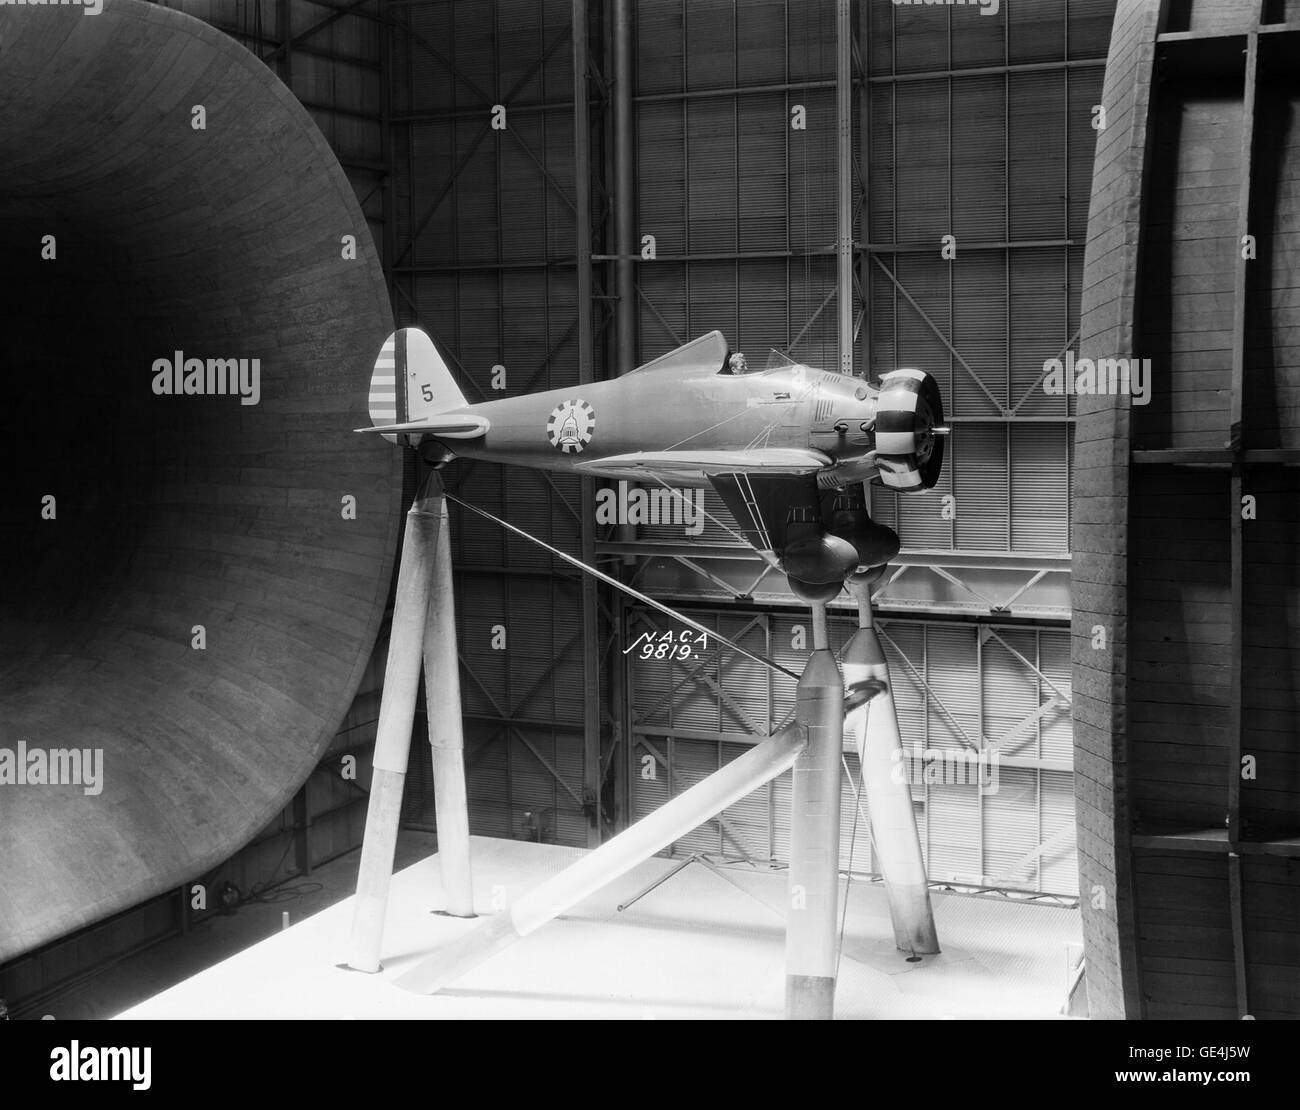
766	460
446	426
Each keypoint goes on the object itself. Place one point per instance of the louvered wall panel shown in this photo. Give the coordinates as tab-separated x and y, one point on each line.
478	542
533	645
433	153
746	682
716	519
1040	319
978	37
694	761
953	841
812	172
661	177
758	166
748	820
571	822
855	819
1011	693
1040	507
711	192
710	35
567	687
662	321
980	486
792	659
533	505
521	236
920	38
519	30
811	49
1058	862
920	519
811	279
881	195
533	788
979	167
1011	820
978	281
884	507
764	323
1090	25
921	142
1036	31
487	780
478	317
1084	91
904	645
880	37
713	304
949	655
660	50
648	794
476	189
430	85
925	277
1055	730
1036	136
761	42
558	157
474	626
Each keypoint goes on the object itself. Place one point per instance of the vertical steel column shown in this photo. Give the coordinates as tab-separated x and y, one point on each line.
625	312
864	179
810	931
591	717
624	190
844	166
389	210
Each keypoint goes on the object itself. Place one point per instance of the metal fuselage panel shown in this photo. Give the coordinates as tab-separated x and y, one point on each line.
693	410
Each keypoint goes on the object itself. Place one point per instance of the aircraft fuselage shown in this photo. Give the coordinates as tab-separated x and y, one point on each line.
788	407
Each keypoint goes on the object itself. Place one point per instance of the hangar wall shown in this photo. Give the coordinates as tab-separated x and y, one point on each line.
969	125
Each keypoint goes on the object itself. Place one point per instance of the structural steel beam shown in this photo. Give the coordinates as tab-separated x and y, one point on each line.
591	761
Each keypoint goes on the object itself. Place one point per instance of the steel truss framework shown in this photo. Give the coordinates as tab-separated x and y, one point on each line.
667	711
591	245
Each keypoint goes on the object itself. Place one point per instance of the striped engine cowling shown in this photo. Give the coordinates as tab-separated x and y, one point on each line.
909	456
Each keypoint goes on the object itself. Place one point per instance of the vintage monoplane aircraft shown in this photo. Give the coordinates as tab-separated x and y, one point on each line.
788	448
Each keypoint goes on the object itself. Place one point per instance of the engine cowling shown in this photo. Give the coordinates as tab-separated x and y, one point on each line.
820	558
909	453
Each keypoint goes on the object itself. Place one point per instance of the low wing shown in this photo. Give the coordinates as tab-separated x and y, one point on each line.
449	426
764	504
767	460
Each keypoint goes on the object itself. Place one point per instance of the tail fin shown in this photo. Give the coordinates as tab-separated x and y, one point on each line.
411	382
